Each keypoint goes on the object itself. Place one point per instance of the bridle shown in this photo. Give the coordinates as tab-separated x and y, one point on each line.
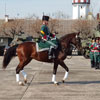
73	48
71	45
66	50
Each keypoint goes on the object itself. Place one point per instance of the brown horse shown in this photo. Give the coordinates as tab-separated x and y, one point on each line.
27	51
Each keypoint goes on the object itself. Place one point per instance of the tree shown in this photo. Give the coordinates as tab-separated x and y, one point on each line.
98	26
53	25
60	15
86	28
12	27
30	26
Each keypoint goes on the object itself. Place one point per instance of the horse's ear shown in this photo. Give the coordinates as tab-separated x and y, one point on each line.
76	36
78	33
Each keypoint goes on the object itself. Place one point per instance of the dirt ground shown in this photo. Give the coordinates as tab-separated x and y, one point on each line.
83	82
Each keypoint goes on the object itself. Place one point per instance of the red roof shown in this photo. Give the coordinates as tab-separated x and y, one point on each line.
81	1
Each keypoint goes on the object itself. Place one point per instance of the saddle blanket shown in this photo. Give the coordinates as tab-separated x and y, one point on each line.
43	46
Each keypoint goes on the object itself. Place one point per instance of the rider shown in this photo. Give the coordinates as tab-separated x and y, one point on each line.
91	46
46	35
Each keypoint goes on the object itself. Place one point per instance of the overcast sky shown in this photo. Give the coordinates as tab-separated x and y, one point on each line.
25	8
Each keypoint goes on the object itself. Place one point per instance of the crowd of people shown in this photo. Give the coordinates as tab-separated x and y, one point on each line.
95	53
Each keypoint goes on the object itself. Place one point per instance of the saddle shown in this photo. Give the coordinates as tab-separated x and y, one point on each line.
42	45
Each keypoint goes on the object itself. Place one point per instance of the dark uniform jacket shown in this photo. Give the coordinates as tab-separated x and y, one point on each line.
45	33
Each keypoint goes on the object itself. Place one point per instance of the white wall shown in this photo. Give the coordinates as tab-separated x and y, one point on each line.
75	11
80	11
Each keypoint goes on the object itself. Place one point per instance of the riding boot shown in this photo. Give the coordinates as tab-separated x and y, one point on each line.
51	53
96	65
99	65
49	56
92	64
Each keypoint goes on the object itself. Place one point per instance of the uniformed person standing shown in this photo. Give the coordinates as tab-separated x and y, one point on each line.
98	67
91	46
96	53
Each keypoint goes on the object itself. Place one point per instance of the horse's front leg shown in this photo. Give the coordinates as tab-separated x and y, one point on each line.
25	75
67	70
54	73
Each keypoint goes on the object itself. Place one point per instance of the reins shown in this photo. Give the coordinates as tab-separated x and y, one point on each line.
73	46
69	49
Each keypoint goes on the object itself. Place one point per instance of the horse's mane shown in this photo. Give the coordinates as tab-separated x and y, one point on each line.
66	36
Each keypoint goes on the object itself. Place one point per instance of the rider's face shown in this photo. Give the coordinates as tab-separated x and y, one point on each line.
45	22
97	41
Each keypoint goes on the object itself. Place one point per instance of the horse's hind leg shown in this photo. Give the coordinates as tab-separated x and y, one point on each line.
66	68
19	68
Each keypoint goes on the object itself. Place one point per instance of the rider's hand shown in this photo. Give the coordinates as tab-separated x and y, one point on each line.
53	35
44	39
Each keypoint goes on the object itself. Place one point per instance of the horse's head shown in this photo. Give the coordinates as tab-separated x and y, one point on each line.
74	39
77	40
69	40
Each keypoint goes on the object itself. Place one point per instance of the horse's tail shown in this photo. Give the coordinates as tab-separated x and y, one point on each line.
10	53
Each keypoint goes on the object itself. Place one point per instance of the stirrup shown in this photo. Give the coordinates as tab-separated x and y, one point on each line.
53	56
49	57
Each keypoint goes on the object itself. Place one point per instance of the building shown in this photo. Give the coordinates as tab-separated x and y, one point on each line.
80	8
98	16
6	18
4	41
90	16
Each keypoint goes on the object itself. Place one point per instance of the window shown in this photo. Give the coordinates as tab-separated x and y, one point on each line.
1	40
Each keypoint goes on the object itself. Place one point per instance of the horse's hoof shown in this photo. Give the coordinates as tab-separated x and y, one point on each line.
21	83
25	81
63	81
56	84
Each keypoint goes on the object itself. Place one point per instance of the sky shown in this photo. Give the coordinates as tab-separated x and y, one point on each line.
26	8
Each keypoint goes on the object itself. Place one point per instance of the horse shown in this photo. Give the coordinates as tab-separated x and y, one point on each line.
27	51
